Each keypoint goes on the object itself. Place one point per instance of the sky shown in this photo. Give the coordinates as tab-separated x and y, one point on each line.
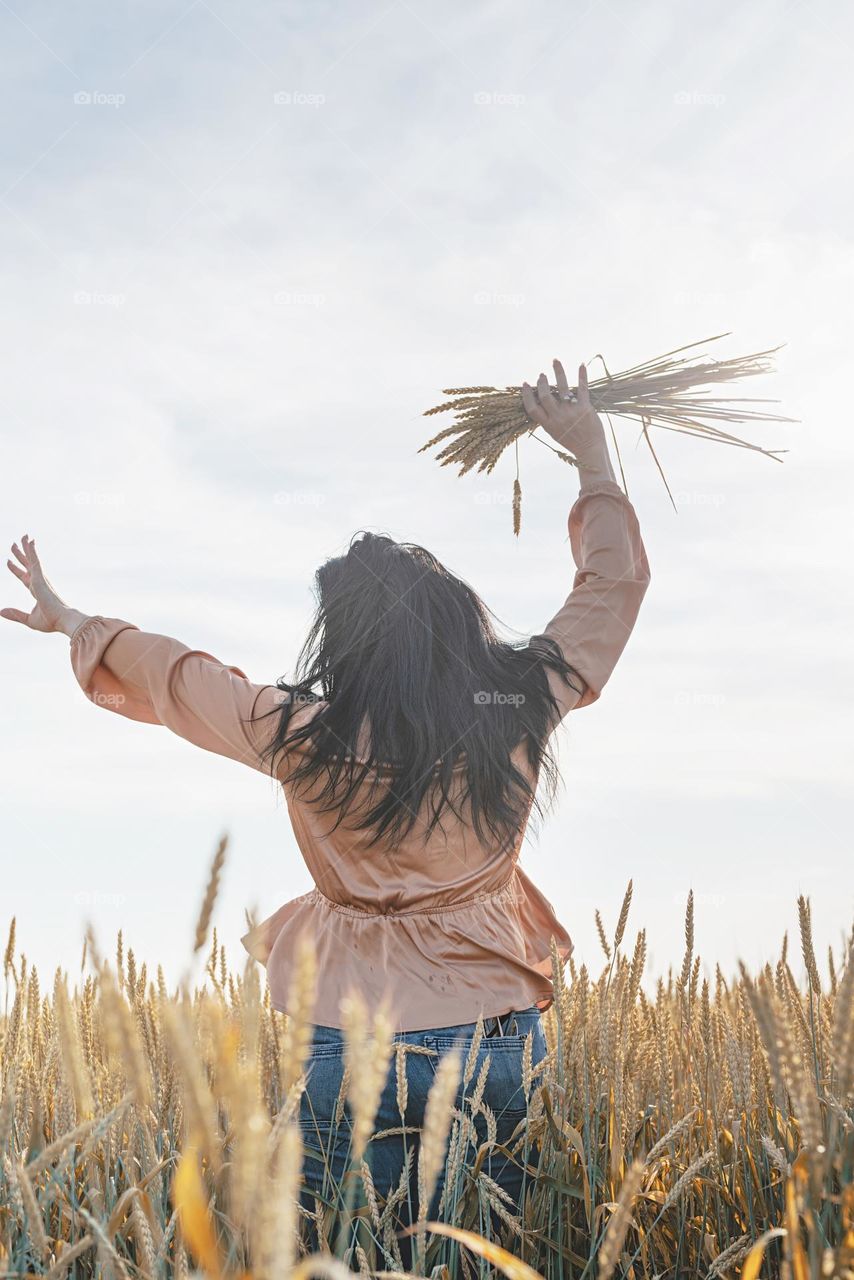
243	249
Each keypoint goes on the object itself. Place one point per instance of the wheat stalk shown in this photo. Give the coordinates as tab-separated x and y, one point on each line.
732	1105
620	1221
673	392
9	953
211	892
437	1122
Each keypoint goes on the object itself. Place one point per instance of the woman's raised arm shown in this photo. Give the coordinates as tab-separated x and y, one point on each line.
152	678
612	574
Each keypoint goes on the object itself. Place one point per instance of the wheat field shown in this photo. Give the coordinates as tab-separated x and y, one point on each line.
152	1132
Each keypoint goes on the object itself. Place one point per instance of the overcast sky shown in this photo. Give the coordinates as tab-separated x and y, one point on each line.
245	246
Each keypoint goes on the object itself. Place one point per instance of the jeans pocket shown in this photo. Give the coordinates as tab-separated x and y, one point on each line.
503	1060
321	1098
498	1077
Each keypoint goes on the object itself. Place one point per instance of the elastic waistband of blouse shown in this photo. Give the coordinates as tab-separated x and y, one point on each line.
444	909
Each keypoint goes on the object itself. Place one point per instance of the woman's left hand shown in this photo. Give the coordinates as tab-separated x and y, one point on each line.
50	613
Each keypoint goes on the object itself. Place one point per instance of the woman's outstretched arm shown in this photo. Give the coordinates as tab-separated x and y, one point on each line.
612	572
152	678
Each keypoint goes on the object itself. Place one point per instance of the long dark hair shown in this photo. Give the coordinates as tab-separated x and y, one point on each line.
404	647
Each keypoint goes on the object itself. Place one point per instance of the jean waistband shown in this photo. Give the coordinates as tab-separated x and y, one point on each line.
524	1019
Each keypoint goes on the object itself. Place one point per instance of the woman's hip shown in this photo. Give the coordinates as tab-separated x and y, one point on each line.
514	1044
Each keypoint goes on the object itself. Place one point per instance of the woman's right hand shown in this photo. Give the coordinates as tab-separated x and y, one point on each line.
573	424
50	612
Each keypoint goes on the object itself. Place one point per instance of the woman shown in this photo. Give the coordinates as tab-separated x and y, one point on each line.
409	750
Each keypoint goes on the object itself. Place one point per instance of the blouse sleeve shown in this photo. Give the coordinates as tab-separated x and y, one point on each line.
611	578
158	680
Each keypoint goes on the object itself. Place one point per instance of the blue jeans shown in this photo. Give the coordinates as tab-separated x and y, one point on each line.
326	1144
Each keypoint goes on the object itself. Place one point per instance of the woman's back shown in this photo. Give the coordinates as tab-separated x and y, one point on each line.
441	926
442	921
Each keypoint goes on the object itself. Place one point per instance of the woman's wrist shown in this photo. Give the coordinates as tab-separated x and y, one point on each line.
69	620
595	466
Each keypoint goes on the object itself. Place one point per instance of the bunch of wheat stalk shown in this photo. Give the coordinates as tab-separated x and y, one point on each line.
691	1126
674	391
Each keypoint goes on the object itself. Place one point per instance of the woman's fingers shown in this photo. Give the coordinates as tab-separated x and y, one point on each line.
531	404
544	395
29	558
29	571
549	412
32	554
27	553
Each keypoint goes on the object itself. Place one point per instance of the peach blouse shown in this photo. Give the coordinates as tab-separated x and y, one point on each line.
444	928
